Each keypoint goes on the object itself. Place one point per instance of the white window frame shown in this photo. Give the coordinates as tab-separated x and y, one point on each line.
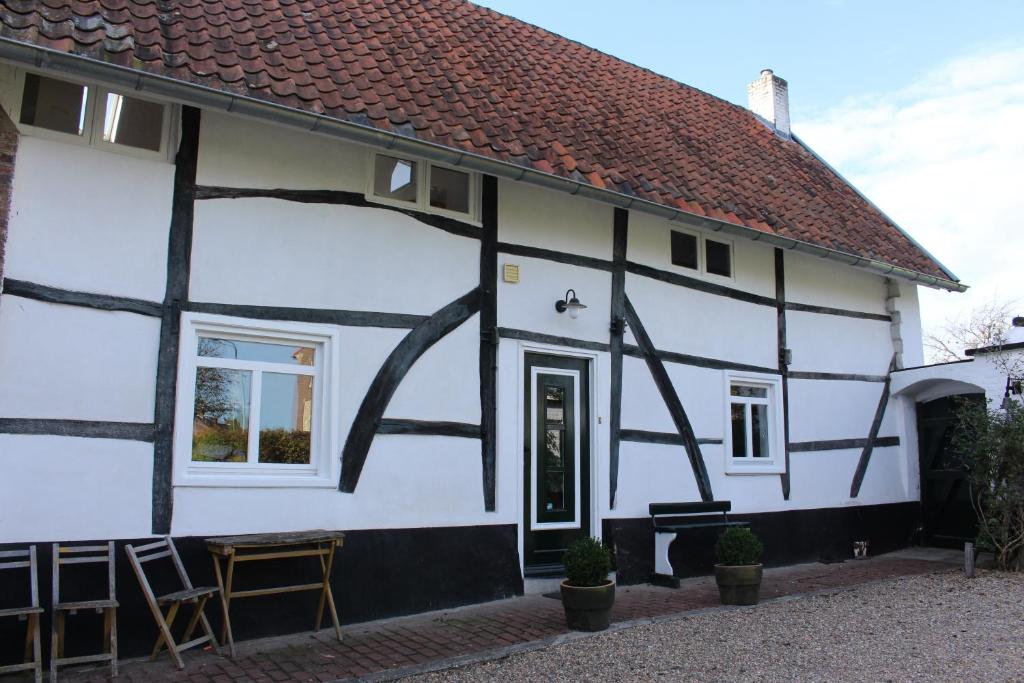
422	202
775	463
95	111
322	471
702	269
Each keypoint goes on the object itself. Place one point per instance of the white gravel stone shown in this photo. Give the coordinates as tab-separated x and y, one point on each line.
935	627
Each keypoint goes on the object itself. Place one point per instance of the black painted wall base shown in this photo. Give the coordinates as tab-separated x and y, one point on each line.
378	573
789	537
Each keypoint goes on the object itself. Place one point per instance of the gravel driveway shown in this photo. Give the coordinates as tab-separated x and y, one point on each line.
922	628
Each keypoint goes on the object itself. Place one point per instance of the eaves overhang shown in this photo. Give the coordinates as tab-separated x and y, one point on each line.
45	59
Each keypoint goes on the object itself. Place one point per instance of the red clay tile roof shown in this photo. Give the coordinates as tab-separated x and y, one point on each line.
452	73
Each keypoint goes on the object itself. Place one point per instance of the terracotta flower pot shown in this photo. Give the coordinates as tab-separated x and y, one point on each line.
588	608
738	585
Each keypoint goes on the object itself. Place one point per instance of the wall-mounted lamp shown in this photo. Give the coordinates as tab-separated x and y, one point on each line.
570	303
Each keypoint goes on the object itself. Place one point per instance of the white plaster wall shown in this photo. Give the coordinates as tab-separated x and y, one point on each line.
642	405
833	343
76	363
530	303
553	220
823	479
89	220
284	158
821	410
57	488
701	324
277	253
652	473
444	383
820	282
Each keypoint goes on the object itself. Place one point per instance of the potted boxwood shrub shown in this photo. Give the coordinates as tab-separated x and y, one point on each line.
738	572
587	592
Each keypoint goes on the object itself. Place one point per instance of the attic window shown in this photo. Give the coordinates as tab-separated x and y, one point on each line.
702	254
93	116
424	186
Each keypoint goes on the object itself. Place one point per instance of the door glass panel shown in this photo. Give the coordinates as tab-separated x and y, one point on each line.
554	491
220	430
286	410
553	448
554	405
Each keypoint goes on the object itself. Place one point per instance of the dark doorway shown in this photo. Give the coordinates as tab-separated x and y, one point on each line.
947	518
556	459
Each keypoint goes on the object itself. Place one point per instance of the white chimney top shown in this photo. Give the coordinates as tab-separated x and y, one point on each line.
768	97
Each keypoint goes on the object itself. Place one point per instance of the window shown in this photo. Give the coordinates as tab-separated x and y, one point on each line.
97	117
254	402
423	186
715	258
754	430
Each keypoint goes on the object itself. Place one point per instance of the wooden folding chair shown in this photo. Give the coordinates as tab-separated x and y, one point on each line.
195	596
12	559
83	554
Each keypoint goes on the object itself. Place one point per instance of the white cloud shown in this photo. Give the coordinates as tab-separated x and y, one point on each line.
944	157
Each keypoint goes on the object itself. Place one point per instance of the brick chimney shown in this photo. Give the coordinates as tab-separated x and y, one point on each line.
768	97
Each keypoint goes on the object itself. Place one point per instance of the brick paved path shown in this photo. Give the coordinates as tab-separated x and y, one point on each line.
418	640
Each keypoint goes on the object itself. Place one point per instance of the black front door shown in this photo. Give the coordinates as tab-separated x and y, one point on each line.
947	517
556	458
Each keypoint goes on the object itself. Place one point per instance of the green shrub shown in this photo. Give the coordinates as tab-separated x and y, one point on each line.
737	547
587	562
992	445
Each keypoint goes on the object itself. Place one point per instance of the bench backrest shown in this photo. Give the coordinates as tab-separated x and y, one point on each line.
693	508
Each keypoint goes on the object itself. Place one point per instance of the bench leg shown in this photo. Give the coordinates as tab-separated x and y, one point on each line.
662	541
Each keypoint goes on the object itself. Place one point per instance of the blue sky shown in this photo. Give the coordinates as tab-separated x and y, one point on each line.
919	104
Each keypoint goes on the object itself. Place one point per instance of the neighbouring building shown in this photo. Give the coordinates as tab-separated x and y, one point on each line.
280	266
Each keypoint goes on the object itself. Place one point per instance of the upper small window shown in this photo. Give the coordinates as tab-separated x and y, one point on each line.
98	117
718	258
684	250
699	253
423	186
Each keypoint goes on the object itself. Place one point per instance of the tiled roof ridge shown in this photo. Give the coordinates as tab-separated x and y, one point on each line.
467	78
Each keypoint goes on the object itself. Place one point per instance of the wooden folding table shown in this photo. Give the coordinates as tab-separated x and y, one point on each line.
256	547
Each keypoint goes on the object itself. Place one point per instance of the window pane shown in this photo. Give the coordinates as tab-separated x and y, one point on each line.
759	427
554	404
286	418
554	491
749	392
134	123
395	178
684	250
55	105
211	347
220	429
739	431
449	189
718	258
553	448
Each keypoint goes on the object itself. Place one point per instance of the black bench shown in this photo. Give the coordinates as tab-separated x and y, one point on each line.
667	527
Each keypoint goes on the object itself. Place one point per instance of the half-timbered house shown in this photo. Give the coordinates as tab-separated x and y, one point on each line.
458	286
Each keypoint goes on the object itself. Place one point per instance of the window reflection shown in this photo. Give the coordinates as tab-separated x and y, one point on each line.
54	105
286	414
220	429
133	123
395	178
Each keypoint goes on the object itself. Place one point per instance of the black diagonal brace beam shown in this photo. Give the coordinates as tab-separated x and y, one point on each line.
488	358
371	411
865	456
672	402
